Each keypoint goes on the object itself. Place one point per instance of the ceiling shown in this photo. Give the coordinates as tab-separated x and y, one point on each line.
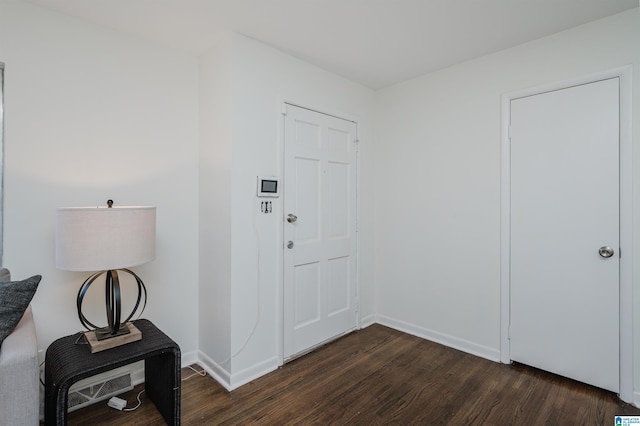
374	42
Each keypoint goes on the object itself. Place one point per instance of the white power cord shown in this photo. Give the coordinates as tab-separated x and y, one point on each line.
139	402
119	403
202	373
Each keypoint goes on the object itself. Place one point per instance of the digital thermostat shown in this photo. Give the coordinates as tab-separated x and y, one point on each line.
268	186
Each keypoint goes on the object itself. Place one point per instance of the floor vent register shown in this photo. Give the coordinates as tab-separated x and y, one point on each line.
100	390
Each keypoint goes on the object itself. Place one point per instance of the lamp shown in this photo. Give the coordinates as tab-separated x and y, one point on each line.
107	240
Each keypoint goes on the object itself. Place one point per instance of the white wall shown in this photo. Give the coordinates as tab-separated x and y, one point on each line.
215	207
92	114
262	78
438	163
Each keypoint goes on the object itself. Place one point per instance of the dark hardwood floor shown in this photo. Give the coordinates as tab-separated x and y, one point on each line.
381	376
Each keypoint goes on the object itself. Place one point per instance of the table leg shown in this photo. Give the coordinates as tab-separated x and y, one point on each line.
55	404
162	384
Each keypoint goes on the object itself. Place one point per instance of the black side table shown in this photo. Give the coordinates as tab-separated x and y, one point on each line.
67	362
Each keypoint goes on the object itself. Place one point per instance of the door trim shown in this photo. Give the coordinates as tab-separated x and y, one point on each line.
626	220
282	103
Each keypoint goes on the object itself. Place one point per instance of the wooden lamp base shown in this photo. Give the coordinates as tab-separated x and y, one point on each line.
96	345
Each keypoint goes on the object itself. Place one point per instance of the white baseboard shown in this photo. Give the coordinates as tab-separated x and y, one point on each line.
367	321
188	358
216	371
636	399
234	381
258	370
441	338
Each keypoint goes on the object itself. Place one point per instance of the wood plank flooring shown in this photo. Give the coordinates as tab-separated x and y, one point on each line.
381	376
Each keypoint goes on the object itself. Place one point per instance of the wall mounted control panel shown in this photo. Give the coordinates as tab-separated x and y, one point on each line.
268	186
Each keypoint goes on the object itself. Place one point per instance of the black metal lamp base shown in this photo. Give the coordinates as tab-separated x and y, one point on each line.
116	327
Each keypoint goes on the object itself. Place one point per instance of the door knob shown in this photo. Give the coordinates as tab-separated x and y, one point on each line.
605	251
291	218
290	244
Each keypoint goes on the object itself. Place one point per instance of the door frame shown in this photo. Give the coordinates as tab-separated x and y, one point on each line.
626	219
282	103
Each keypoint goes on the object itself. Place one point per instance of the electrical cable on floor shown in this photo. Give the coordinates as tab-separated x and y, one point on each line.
202	373
139	403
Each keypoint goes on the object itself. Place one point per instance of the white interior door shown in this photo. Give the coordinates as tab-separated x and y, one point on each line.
564	209
319	229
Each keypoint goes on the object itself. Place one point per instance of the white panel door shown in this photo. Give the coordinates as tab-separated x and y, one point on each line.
319	229
564	208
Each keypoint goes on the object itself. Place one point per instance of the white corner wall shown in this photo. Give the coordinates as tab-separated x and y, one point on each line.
215	209
437	159
92	114
262	79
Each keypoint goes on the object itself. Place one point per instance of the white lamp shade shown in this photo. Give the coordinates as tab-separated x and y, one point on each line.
101	238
